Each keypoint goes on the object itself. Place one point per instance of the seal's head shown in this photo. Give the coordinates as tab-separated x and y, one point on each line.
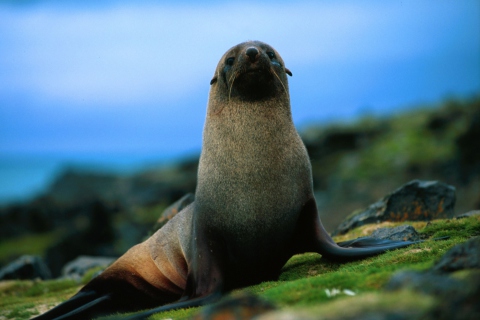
251	70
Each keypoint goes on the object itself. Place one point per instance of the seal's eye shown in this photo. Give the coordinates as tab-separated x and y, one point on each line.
229	61
271	55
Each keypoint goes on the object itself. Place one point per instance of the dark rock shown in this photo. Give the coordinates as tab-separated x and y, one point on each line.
242	306
461	306
467	146
414	201
78	267
75	186
457	298
425	282
36	216
400	233
321	143
468	214
462	256
95	238
26	268
173	209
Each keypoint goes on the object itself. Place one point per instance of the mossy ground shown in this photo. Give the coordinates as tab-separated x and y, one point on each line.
34	244
303	283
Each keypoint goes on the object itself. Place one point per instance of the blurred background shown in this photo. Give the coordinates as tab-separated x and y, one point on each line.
124	84
102	106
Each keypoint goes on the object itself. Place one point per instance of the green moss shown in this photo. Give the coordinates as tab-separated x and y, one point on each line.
35	244
407	141
148	215
304	281
22	299
182	314
91	273
21	312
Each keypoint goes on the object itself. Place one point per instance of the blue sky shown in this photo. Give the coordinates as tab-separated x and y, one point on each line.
124	83
133	77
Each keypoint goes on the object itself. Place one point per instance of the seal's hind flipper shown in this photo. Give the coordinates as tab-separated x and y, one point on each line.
369	242
80	306
311	236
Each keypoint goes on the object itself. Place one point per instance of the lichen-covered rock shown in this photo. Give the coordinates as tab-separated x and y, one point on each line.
400	233
26	267
462	256
414	201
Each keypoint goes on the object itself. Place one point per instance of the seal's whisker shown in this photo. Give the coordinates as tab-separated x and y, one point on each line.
234	76
281	82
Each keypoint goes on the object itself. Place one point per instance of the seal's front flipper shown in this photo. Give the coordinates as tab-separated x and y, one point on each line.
81	306
190	303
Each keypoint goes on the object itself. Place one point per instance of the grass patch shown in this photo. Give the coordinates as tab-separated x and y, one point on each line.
23	299
35	244
22	312
303	282
306	277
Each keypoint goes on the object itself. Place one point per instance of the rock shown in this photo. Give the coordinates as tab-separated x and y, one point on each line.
468	214
414	201
400	233
239	307
173	209
95	238
463	306
322	142
467	146
462	256
425	282
78	267
457	298
76	186
26	268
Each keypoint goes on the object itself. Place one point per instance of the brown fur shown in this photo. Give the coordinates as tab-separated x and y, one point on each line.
254	206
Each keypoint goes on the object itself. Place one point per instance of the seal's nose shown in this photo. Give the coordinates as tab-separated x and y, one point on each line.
252	54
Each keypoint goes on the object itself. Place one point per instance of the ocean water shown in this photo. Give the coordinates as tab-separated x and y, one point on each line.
23	176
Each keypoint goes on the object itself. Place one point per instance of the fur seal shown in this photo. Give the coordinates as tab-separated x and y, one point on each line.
254	206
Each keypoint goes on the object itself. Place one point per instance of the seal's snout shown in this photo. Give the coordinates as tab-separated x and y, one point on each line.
252	54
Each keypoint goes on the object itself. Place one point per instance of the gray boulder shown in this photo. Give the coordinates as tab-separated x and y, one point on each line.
77	268
400	233
414	201
26	268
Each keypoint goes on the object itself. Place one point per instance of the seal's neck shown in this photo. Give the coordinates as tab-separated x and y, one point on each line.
248	123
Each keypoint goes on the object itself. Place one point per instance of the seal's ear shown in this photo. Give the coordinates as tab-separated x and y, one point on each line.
288	72
214	79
